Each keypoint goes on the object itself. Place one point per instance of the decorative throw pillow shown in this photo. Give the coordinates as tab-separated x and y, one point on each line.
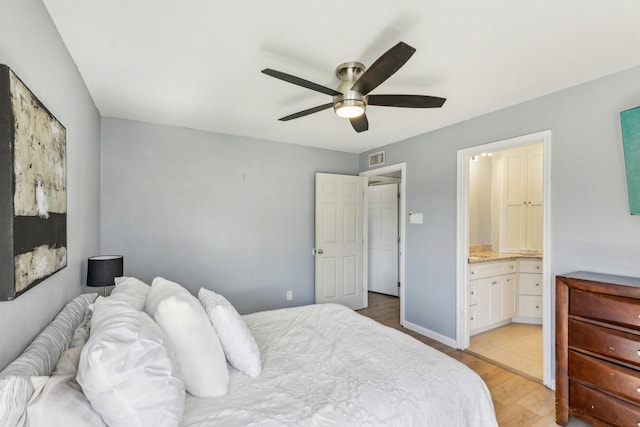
127	369
193	337
131	291
58	400
237	341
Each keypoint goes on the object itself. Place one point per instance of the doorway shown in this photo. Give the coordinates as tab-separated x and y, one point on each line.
383	236
385	249
509	256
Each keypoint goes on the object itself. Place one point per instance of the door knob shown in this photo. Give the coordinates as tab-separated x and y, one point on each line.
319	251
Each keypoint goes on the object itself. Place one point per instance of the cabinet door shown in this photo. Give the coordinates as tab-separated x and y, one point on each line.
514	200
496	299
509	286
484	298
534	195
534	227
521	227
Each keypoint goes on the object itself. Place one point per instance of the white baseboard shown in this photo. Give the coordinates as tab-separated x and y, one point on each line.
490	327
529	320
430	334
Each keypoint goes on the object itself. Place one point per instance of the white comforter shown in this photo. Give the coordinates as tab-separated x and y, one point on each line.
326	365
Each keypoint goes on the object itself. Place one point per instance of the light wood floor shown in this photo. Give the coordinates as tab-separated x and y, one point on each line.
518	401
516	346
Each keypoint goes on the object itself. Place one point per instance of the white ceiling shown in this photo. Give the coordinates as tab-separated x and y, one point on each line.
196	64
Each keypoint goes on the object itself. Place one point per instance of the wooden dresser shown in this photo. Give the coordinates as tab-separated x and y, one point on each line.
598	349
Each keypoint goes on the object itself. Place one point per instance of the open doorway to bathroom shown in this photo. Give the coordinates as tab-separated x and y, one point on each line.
503	280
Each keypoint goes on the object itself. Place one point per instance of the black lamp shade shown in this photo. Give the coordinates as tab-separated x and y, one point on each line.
101	270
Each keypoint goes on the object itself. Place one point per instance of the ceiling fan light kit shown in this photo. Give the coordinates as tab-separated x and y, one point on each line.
349	103
349	108
351	98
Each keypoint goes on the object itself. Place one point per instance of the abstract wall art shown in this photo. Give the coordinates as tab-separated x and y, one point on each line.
33	189
630	120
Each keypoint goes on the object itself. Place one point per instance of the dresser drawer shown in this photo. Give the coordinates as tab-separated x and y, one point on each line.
606	376
602	406
529	306
530	284
623	311
610	343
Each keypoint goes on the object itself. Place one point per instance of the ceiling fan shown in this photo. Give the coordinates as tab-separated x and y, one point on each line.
351	98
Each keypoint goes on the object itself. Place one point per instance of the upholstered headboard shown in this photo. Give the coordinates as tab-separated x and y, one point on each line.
39	358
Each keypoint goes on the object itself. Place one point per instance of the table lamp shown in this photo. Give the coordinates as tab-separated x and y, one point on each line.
103	269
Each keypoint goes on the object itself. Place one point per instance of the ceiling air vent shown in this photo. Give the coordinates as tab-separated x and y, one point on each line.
376	159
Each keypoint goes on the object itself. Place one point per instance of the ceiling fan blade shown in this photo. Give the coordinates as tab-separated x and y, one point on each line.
306	112
407	101
300	82
360	123
383	68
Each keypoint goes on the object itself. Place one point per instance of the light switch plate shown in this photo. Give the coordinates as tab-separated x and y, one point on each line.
415	217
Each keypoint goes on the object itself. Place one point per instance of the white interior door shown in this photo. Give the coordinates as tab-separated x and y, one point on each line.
339	239
383	239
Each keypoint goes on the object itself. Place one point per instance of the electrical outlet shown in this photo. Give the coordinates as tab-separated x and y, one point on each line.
289	295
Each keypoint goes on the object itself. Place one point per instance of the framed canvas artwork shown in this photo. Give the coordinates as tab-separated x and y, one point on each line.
33	189
630	120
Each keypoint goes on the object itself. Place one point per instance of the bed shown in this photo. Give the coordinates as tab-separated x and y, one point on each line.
321	365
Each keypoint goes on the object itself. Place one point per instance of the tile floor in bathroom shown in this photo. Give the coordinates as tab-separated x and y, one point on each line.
516	346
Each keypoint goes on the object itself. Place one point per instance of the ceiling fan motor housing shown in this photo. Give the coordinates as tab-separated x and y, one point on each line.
350	100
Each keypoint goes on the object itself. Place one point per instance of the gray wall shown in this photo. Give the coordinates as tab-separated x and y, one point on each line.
229	213
591	226
31	46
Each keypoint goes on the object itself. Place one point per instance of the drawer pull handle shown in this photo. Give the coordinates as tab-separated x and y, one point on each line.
537	284
537	306
537	267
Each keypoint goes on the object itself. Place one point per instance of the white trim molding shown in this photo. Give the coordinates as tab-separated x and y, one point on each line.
462	247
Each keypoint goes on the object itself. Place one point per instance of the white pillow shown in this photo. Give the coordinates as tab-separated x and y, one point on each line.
237	341
193	337
127	370
131	291
58	400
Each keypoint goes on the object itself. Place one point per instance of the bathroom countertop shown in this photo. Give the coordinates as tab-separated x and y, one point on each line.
480	257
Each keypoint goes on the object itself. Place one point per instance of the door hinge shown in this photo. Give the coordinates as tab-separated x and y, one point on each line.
398	196
398	239
398	284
